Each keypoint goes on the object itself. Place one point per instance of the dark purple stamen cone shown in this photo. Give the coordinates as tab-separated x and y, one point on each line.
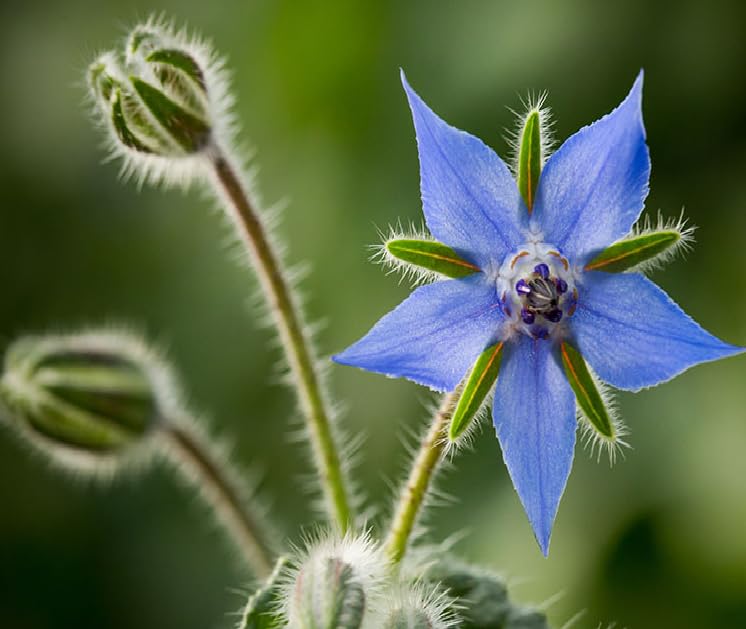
527	316
542	270
561	285
522	288
554	315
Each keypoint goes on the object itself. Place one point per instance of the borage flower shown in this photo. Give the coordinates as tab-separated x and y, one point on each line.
545	274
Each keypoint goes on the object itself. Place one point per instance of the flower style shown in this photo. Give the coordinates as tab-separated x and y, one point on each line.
540	291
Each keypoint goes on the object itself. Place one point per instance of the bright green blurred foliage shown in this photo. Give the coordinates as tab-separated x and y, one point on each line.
656	542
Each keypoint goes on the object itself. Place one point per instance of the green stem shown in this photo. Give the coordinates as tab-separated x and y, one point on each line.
415	490
219	484
287	318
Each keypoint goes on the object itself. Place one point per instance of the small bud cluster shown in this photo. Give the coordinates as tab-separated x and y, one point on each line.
163	100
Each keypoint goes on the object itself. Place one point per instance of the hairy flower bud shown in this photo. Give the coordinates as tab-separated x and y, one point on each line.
332	584
84	397
163	100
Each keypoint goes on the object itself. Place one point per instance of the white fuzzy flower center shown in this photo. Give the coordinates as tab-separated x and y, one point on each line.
537	288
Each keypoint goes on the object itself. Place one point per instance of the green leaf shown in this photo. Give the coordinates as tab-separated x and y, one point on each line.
630	252
477	387
184	128
430	255
586	392
262	608
529	158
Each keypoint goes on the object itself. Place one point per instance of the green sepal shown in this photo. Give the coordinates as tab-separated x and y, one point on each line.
529	158
627	253
182	62
126	136
262	610
430	255
477	387
586	393
184	128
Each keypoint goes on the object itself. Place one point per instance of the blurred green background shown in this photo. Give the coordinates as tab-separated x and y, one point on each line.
658	541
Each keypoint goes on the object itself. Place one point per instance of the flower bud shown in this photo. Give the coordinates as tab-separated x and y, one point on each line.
154	98
332	584
84	397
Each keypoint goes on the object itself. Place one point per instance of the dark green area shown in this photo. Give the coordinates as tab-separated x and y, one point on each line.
320	101
184	128
181	61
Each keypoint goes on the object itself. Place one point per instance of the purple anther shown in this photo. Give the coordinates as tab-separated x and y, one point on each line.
542	270
561	285
522	288
554	315
539	332
527	316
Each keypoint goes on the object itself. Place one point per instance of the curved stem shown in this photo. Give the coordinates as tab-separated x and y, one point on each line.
415	490
287	318
219	484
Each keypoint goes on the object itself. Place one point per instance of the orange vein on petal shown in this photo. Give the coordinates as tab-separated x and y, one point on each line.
485	370
569	365
455	261
602	263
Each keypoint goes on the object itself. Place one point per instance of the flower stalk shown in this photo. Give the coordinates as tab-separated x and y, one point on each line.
420	479
219	484
297	347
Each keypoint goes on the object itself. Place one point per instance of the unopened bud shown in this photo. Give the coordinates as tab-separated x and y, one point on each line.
154	97
93	394
332	584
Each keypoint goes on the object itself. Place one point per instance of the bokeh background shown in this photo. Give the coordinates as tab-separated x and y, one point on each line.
657	541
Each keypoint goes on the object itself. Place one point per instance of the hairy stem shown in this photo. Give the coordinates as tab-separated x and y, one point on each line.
423	470
219	484
287	317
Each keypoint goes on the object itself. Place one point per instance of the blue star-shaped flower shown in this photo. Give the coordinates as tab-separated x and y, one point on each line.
533	290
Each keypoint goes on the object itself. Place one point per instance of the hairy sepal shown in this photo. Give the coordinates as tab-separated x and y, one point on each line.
529	158
598	417
531	143
646	248
420	259
477	387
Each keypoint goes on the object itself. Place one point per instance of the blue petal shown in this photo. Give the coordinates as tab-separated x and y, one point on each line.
635	336
434	336
593	188
469	197
534	413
